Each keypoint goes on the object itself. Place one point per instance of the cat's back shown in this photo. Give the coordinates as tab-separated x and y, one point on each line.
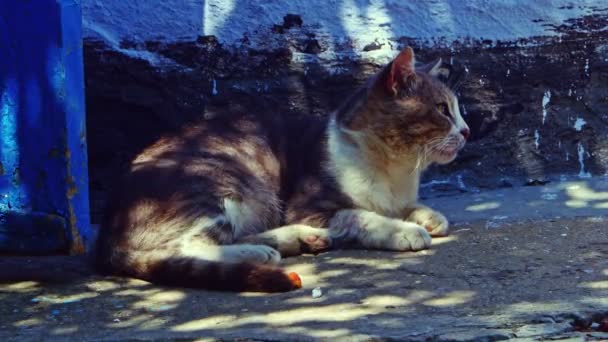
220	156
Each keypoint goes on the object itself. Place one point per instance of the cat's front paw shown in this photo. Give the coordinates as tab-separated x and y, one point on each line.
433	221
411	237
259	254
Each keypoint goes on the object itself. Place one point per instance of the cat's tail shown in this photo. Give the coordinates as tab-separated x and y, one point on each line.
185	271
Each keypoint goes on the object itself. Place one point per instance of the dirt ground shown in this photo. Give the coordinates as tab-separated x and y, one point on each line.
534	279
527	279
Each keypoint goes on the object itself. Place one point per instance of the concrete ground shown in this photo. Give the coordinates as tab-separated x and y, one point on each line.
522	263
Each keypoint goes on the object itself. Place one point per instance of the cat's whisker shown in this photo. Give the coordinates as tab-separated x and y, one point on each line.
421	157
435	141
438	144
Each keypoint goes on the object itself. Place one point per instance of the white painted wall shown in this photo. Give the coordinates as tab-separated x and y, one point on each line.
357	22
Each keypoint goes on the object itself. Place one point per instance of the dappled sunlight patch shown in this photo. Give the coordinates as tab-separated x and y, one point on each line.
103	285
603	205
387	266
451	299
132	282
22	287
325	334
333	273
483	206
528	308
342	312
576	204
596	285
412	258
308	299
582	191
58	299
205	323
443	240
252	294
596	301
167	296
26	323
137	293
327	313
161	301
426	252
582	195
65	330
127	321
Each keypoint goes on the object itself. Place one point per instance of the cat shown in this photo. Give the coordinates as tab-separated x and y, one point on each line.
217	206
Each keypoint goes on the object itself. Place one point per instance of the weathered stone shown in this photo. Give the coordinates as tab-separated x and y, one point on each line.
538	108
542	330
476	335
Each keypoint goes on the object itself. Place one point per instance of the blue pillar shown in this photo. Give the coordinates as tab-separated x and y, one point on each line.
44	198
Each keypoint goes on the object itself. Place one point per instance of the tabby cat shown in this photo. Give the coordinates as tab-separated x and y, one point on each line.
217	206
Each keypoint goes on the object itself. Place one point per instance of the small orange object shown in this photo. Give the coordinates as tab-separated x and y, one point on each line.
295	280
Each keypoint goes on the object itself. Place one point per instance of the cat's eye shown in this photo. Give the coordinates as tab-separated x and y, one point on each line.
443	109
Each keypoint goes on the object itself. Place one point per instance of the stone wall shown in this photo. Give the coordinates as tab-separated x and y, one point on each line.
535	92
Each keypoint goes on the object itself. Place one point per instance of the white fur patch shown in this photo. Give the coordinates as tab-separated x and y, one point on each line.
189	243
376	231
246	218
193	247
455	110
387	192
258	254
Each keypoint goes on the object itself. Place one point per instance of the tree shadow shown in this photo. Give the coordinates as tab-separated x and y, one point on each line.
533	276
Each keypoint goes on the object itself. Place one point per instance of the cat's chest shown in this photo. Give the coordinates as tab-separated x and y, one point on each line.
384	185
387	193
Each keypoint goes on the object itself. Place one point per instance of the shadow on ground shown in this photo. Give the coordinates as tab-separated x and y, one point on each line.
531	280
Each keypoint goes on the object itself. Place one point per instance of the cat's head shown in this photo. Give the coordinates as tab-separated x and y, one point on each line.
411	110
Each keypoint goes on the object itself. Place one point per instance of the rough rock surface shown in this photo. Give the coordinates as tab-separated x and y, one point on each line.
538	107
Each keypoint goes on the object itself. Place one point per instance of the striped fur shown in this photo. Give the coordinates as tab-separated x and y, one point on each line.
218	205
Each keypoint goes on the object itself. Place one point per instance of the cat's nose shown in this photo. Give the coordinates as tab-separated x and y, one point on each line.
465	133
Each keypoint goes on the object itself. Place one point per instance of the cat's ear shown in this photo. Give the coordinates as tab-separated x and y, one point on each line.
445	72
456	78
437	69
432	68
401	69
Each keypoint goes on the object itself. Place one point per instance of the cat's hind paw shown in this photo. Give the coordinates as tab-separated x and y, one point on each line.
315	242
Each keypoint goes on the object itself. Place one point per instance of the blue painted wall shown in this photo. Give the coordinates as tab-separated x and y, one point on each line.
43	160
